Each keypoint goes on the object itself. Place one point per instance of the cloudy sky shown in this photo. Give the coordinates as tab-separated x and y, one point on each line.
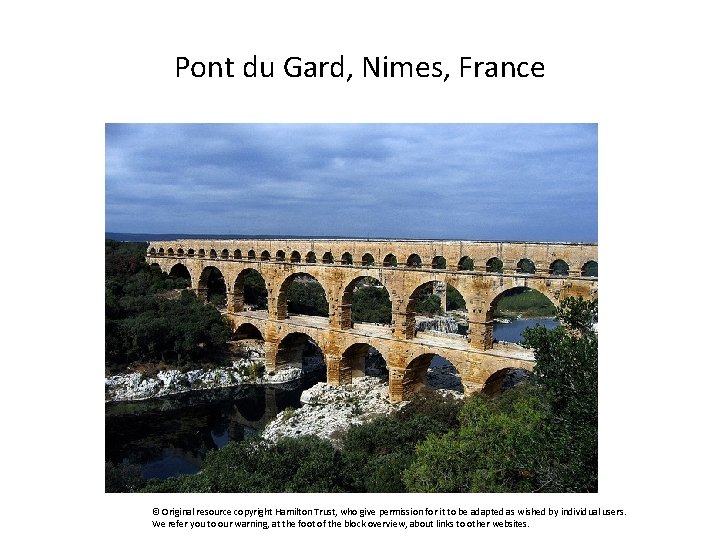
535	182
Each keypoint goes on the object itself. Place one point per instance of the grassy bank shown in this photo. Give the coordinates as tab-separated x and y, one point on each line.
526	303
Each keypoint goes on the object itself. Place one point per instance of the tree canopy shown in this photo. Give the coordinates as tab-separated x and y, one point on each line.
145	322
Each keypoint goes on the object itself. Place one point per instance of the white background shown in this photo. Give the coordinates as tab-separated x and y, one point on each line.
643	71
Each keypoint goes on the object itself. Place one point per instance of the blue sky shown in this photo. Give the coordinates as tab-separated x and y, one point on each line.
535	182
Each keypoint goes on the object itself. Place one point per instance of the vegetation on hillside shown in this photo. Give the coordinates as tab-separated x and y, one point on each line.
525	303
146	322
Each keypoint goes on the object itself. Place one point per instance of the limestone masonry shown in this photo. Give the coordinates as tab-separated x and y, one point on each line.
403	267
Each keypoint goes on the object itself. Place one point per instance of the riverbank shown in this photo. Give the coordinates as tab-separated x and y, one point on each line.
245	371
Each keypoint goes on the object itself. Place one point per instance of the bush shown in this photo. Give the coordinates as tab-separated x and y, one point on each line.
123	478
184	483
498	447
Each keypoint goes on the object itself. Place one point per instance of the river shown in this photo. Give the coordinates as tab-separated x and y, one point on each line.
513	330
170	436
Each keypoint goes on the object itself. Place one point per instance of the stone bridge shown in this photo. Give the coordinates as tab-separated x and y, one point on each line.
482	272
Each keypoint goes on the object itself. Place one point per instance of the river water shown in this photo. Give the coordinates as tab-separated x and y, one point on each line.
170	436
513	330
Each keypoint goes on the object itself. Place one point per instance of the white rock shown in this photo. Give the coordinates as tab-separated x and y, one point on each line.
330	410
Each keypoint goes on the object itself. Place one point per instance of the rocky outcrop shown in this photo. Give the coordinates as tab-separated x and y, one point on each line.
248	370
329	411
445	325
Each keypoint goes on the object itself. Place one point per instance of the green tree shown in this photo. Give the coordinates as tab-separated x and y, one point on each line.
255	291
498	448
371	304
567	370
455	300
307	298
495	265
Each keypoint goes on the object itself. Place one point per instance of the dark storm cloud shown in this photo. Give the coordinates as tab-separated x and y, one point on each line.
531	182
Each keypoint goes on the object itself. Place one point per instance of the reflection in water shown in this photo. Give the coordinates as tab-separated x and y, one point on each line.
171	436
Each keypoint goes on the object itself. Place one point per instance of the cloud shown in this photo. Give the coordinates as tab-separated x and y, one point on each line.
476	181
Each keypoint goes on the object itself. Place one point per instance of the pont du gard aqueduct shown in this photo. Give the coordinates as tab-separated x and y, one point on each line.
482	272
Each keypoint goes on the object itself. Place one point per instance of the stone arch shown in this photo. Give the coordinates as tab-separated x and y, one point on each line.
249	292
559	268
346	259
514	289
466	264
152	252
180	252
494	265
190	252
439	262
237	254
415	375
430	298
201	252
297	349
311	258
503	292
359	360
295	257
248	331
503	380
418	374
308	305
390	260
170	252
328	258
179	270
212	286
251	254
161	252
265	255
280	255
414	261
525	266
368	260
590	269
224	254
383	301
213	254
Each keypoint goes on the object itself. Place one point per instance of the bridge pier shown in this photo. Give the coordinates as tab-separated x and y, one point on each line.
404	320
344	317
271	350
472	388
480	334
235	301
202	293
395	383
440	290
338	373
